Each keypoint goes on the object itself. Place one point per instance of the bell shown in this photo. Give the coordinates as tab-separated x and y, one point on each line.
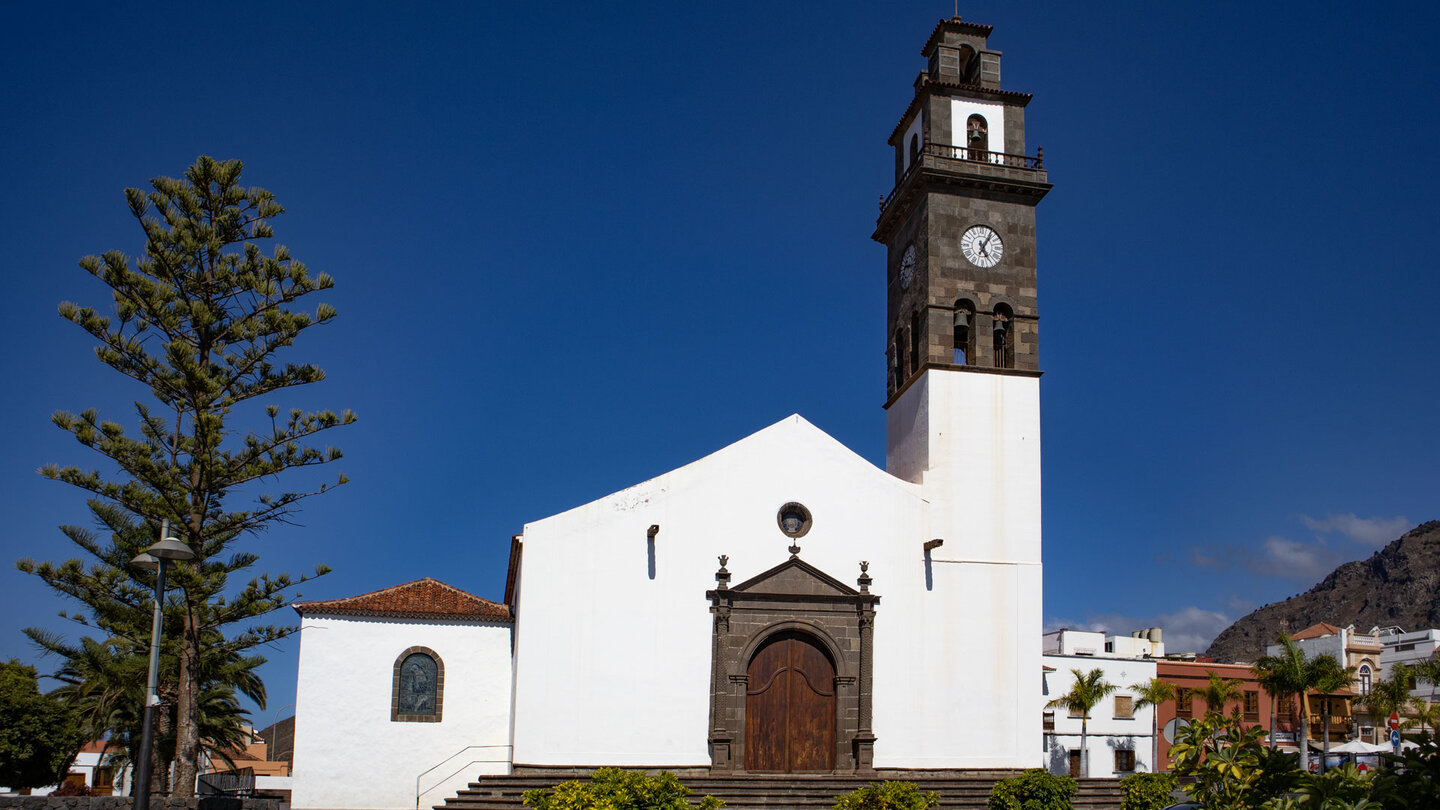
1001	324
962	318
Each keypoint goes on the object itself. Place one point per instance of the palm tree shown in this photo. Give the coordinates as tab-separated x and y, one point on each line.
1153	693
1291	673
1391	694
1425	715
1089	689
1273	682
1218	692
1329	677
105	683
1429	670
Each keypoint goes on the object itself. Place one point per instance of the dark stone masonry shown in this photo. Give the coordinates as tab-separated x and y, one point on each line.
124	803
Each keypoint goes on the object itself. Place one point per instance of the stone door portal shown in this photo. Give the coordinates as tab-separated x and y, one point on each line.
790	671
790	707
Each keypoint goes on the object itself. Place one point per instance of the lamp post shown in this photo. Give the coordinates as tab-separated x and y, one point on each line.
153	559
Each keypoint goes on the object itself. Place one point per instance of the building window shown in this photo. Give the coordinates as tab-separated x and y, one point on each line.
914	147
1252	705
1182	702
1074	711
1124	760
977	138
1362	678
964	348
1049	721
418	688
1004	339
1124	707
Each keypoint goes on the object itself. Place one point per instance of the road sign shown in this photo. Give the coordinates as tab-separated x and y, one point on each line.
1394	721
1395	740
1172	727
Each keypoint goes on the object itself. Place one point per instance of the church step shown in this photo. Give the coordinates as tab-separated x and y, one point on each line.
797	792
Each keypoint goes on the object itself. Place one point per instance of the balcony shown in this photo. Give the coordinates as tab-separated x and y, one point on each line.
1023	172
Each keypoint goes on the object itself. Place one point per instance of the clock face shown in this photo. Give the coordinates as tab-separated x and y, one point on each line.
907	267
982	247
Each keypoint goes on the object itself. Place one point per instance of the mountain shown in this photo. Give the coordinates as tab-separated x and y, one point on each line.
1397	585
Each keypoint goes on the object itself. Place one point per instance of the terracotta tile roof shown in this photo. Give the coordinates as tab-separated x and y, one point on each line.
1317	631
422	599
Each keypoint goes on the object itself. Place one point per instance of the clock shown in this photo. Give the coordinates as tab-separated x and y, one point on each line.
981	246
907	267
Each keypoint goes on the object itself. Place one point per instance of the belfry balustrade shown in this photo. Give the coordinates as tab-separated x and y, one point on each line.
963	161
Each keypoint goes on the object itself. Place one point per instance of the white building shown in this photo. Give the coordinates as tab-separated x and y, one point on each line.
1351	648
1119	734
360	742
1400	647
781	605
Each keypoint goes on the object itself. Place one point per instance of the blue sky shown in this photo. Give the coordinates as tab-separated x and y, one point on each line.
578	245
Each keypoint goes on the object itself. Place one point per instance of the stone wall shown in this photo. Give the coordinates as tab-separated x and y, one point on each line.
124	803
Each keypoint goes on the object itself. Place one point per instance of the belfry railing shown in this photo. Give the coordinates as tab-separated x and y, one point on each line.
966	160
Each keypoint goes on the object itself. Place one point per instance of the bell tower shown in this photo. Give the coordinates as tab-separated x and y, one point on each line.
959	226
963	334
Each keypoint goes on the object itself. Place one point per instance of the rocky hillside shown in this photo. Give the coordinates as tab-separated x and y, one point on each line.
1398	585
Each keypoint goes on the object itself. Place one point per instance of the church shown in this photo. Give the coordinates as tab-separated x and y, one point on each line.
781	605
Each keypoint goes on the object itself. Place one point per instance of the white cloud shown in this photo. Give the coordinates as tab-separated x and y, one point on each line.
1280	557
1374	531
1189	629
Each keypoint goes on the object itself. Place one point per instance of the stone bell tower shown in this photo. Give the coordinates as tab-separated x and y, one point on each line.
962	384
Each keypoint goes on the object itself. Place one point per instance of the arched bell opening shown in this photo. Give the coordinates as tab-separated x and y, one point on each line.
1003	336
963	345
977	138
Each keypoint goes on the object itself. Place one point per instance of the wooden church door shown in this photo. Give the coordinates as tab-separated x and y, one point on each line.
790	707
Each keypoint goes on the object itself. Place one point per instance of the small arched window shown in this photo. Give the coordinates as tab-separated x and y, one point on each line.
964	346
418	687
915	342
914	147
1003	329
977	138
899	358
1363	677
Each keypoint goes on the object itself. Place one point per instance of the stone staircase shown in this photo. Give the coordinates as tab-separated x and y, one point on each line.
781	792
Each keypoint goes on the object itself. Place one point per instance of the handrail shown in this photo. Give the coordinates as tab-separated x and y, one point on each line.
419	792
966	154
951	152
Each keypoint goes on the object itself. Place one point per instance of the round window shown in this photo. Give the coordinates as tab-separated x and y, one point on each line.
794	519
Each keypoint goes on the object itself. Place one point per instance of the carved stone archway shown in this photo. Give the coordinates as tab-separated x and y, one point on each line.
792	598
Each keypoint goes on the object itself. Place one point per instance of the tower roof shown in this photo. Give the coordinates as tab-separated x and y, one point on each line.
422	599
956	25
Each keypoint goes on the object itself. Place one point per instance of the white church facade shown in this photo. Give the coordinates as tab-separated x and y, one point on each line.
781	605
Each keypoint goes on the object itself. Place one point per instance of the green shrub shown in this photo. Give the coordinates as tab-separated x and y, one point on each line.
616	789
1411	780
1146	791
887	796
1032	790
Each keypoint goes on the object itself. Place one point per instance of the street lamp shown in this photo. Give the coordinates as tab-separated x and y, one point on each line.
153	559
